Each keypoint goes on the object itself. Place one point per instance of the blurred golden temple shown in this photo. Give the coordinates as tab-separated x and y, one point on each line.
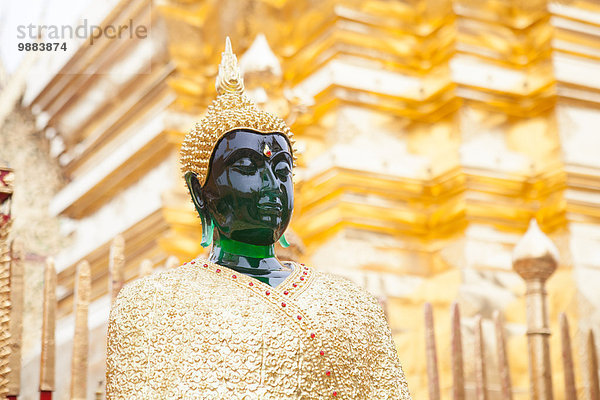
430	133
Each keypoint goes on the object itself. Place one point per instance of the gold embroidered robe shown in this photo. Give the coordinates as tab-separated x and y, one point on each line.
203	331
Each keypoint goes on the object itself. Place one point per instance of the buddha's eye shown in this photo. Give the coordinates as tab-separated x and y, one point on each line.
245	165
282	169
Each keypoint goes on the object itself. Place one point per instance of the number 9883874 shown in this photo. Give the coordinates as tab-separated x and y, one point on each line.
42	46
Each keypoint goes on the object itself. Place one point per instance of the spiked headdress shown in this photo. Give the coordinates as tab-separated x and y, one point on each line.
231	110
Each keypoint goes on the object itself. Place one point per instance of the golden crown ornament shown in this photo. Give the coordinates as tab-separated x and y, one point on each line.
231	110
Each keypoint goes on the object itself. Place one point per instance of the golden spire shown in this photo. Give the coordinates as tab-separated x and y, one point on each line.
230	78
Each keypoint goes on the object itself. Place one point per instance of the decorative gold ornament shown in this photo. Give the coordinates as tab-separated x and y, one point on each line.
5	339
231	110
267	151
6	192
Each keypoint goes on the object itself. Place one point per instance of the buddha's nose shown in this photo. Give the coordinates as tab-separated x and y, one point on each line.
270	183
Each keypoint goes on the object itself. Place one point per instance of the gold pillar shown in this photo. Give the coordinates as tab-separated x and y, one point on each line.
458	373
16	317
431	354
503	369
116	266
48	329
535	258
79	366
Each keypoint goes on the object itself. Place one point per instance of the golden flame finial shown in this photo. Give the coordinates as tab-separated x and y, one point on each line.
229	79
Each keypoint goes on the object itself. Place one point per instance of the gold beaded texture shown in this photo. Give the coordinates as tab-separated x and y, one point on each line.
204	331
229	112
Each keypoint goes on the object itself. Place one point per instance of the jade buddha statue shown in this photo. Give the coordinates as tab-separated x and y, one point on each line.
242	324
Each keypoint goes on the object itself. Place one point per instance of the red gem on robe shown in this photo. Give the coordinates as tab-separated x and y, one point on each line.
301	278
205	265
286	292
233	276
251	284
218	270
282	304
328	373
299	317
312	335
335	393
267	293
294	285
193	262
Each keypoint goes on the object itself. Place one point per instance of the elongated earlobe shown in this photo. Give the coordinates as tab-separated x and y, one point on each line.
207	231
207	223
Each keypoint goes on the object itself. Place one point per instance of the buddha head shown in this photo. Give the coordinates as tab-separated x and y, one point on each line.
237	163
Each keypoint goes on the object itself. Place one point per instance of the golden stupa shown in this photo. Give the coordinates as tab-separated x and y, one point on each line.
428	135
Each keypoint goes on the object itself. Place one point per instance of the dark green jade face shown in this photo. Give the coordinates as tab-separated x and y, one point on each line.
249	190
249	196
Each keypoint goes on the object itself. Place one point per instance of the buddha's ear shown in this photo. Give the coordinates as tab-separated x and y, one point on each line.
197	194
191	179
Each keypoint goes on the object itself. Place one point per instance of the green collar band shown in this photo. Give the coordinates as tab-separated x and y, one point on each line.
245	249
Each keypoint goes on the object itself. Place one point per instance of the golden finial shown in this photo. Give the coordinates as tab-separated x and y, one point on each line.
535	256
229	79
